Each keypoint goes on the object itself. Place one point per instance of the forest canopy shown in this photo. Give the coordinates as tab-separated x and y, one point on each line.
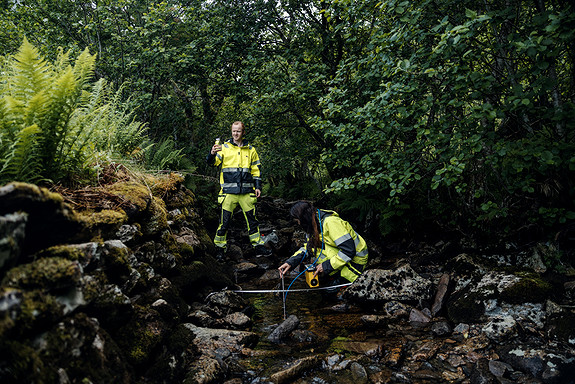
453	115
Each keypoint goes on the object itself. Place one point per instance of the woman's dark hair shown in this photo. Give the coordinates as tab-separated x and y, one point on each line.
307	216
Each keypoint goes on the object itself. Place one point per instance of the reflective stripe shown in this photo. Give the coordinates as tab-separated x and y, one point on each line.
362	253
257	162
231	185
255	236
345	237
344	257
219	156
236	169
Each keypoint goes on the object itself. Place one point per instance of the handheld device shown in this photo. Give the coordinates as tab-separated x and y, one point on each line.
310	279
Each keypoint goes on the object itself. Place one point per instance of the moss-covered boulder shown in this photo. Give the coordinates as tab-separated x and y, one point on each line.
468	304
48	274
141	335
144	207
82	351
50	220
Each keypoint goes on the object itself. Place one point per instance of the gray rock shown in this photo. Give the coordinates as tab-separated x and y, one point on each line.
284	329
208	340
381	285
441	328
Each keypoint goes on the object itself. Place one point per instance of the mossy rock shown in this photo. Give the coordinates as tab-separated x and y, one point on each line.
51	273
116	258
157	221
33	312
85	351
145	208
67	252
105	223
51	221
141	335
530	289
198	279
180	346
137	194
466	307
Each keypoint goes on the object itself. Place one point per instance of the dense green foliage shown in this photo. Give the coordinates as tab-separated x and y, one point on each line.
453	114
55	126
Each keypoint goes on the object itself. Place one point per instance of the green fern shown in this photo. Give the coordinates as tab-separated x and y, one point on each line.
55	124
163	155
22	161
37	93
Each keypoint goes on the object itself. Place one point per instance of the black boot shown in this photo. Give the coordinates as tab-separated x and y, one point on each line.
221	254
262	250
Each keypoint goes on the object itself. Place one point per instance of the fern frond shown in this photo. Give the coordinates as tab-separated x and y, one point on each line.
23	161
84	67
163	155
31	73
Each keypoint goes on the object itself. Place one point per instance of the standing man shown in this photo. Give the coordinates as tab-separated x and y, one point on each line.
240	184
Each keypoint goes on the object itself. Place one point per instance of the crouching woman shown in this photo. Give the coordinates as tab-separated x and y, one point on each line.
338	253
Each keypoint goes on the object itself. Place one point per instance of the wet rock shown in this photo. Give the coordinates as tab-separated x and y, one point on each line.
284	329
500	327
441	328
499	368
332	360
395	309
370	348
227	300
303	336
481	374
358	373
206	370
237	320
417	317
208	340
426	350
374	319
395	354
379	285
203	319
295	370
426	375
524	358
441	294
462	329
246	270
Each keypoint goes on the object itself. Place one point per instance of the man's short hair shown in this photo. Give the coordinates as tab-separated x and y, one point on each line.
240	124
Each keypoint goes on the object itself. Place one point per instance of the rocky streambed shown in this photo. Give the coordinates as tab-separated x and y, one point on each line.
119	284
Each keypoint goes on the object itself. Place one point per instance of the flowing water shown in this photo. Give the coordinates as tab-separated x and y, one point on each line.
325	329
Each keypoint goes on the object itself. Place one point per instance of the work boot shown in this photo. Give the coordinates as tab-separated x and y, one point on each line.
221	254
262	250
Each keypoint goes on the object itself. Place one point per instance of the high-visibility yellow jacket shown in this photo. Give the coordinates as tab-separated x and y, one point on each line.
343	250
240	172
